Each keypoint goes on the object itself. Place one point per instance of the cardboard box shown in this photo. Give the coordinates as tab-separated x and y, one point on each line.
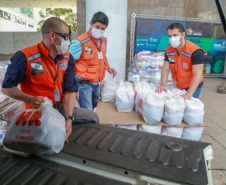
108	114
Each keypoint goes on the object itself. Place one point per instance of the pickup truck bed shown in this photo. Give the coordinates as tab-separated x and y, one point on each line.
99	154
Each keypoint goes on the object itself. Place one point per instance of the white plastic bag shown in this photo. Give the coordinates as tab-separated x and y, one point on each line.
37	131
164	95
108	91
172	131
152	109
174	110
155	129
140	97
3	127
194	112
125	97
192	133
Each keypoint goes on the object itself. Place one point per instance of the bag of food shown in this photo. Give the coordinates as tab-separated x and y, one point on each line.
4	100
174	110
164	95
125	97
192	133
108	91
194	112
172	131
152	109
36	131
155	129
3	127
10	110
140	97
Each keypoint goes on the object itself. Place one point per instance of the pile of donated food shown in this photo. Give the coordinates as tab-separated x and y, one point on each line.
147	66
168	107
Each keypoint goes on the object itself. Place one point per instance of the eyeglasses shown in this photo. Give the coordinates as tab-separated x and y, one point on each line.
65	36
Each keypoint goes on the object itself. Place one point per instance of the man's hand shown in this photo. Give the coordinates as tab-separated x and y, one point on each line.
35	101
68	127
186	96
112	71
160	89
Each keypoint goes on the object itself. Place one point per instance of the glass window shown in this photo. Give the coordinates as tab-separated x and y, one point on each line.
19	20
1	13
24	22
7	15
13	18
31	25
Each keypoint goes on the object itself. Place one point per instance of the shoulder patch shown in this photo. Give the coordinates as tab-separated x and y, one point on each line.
104	39
186	54
171	54
34	56
85	40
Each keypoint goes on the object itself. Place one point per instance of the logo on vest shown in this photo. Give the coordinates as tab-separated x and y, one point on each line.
88	50
63	65
104	47
36	66
171	60
185	65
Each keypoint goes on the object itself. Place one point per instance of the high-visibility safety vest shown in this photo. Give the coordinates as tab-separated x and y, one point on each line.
181	65
89	66
38	79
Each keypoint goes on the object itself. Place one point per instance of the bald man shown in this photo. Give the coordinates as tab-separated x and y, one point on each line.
47	70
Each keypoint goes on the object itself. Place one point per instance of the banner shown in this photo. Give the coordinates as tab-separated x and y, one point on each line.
151	35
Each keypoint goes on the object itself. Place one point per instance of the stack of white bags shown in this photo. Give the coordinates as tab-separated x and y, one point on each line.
167	106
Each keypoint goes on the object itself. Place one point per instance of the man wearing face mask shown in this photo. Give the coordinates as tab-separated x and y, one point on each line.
47	69
89	52
186	60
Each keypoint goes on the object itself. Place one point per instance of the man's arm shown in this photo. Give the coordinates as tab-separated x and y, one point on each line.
69	89
197	70
15	74
69	104
164	77
197	75
110	70
15	93
75	49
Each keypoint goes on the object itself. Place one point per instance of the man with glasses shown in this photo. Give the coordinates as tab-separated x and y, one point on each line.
47	69
89	52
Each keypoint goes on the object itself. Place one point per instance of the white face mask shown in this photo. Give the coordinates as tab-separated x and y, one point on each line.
97	33
175	41
61	49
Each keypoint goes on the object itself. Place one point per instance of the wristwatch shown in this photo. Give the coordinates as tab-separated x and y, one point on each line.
69	117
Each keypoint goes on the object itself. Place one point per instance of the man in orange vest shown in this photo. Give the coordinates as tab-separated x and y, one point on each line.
186	60
89	52
47	69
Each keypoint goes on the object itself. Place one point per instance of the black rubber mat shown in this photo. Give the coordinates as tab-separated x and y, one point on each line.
165	157
32	170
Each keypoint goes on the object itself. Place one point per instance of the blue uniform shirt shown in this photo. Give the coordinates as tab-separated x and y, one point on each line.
17	69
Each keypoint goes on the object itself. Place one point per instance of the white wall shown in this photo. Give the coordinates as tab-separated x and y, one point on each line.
116	10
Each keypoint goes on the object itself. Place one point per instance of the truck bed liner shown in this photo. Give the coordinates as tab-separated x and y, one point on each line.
155	155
